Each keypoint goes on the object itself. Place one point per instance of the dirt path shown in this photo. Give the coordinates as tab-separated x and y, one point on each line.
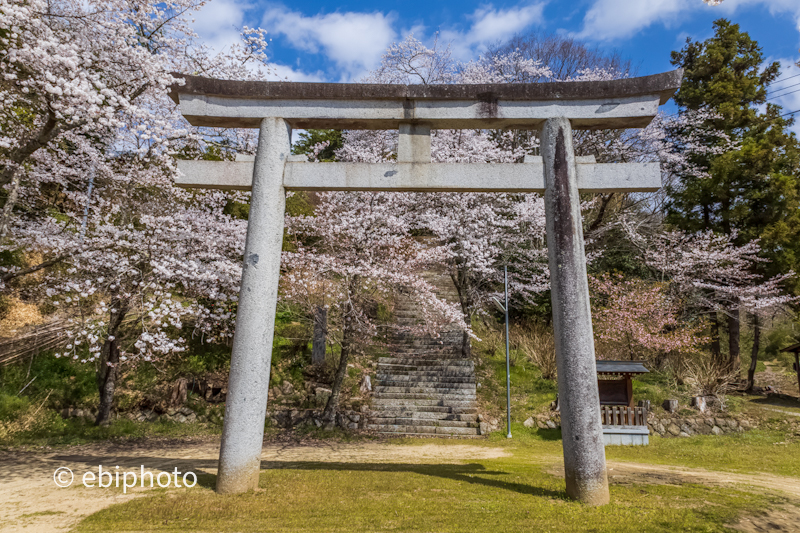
783	518
31	501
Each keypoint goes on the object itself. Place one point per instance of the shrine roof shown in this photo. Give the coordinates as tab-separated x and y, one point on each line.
794	348
621	367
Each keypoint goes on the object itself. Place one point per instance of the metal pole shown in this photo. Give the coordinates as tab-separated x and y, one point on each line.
508	359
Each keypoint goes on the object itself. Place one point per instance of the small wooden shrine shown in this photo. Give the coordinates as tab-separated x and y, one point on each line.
623	423
795	349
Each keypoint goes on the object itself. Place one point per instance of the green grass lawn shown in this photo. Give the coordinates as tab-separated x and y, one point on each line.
507	494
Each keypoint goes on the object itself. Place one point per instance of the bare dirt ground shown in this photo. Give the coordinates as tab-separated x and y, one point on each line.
32	502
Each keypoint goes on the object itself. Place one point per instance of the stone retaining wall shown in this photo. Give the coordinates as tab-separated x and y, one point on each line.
292	418
679	426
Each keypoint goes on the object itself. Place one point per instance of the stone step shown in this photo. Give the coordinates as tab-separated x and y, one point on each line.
418	403
432	410
432	352
424	385
450	391
426	376
426	396
422	361
405	421
421	415
422	430
442	370
401	369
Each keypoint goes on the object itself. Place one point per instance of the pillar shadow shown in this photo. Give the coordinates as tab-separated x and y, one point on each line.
470	473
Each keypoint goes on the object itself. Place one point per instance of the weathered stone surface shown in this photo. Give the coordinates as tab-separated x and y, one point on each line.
622	103
670	406
529	423
246	400
699	402
582	432
716	430
673	429
684	434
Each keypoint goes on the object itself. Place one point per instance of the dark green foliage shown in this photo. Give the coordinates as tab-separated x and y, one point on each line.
619	256
753	191
311	138
68	383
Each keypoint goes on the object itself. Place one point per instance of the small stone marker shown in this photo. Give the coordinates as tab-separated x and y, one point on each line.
670	406
700	403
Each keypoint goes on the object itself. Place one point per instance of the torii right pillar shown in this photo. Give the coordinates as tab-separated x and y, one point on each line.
581	429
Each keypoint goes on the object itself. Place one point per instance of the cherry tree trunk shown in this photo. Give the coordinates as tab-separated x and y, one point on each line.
461	281
751	372
320	336
109	360
734	349
329	414
716	351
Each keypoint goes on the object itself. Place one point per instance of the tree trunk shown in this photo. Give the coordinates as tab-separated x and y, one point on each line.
109	359
734	350
460	282
751	372
716	351
320	336
329	414
11	201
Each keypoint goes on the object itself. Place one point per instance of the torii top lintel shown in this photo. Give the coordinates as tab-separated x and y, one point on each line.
622	103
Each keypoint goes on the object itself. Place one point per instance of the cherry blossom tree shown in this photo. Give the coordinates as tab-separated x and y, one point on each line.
635	319
86	154
474	233
713	273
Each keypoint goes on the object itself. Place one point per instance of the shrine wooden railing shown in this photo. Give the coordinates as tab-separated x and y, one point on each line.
622	415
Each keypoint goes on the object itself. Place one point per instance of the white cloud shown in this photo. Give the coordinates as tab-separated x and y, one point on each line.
218	23
618	19
490	25
353	41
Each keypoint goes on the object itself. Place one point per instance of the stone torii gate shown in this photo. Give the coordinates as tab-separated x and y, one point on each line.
552	108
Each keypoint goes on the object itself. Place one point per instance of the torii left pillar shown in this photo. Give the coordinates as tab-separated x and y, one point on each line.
248	386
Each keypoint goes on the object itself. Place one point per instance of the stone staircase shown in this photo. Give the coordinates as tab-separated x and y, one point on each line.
424	387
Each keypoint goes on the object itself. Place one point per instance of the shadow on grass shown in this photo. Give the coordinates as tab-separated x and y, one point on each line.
549	434
777	402
470	473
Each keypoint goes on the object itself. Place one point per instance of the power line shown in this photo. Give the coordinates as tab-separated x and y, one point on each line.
787	87
784	94
782	80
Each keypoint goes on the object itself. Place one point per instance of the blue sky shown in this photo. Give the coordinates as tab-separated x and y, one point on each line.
339	42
